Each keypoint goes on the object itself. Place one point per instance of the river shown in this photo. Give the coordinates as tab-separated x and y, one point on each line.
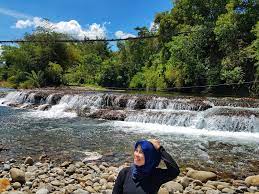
217	134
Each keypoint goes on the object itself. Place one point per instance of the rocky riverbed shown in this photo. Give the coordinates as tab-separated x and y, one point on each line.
43	177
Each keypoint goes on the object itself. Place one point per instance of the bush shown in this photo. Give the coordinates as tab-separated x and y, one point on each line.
28	84
138	81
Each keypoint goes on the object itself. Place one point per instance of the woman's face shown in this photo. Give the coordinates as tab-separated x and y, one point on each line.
139	157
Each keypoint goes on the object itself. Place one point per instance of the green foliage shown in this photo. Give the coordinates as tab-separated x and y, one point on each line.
54	74
200	43
36	79
28	84
138	81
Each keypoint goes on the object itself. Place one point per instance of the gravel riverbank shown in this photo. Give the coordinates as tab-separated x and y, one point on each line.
92	177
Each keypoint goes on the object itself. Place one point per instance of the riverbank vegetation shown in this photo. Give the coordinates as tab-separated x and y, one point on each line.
202	46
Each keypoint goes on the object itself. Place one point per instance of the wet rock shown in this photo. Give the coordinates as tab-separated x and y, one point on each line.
140	103
203	176
54	99
44	107
109	114
252	180
17	175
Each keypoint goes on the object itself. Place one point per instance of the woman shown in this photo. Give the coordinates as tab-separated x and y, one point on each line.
143	177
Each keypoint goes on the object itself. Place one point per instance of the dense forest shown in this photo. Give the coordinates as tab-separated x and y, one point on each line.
201	46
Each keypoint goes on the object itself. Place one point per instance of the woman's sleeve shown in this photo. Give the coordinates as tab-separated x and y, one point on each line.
118	186
172	170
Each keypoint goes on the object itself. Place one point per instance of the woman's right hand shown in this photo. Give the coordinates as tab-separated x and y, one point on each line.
156	143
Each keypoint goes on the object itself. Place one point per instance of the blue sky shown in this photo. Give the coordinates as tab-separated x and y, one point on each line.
102	18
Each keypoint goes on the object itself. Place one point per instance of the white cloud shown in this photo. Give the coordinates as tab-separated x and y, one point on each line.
23	24
13	13
71	27
120	34
153	27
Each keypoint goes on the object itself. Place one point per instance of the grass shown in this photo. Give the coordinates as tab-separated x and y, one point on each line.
5	84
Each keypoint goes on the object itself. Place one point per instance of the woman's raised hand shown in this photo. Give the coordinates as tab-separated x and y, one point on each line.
155	142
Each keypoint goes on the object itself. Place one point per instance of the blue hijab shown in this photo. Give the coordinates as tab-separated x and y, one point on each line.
152	160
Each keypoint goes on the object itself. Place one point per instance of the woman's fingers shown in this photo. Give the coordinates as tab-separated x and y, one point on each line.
155	142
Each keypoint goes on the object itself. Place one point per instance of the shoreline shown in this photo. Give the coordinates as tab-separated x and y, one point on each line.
43	177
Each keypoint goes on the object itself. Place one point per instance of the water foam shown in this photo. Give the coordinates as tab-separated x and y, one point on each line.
55	112
158	129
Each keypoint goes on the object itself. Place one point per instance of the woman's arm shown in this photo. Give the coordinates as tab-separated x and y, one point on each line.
172	171
118	186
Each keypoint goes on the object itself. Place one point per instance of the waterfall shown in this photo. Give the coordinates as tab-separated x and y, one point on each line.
221	114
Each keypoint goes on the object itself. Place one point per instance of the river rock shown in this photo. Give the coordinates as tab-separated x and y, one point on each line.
90	189
213	192
29	161
185	181
108	114
17	175
252	180
59	171
71	169
203	176
111	178
80	191
44	107
4	184
163	191
172	187
228	190
42	191
65	164
108	191
217	183
7	167
16	185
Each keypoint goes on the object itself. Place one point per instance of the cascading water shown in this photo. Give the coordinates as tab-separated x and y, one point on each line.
187	112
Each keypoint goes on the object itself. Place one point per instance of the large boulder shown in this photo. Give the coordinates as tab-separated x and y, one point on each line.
203	176
17	175
252	180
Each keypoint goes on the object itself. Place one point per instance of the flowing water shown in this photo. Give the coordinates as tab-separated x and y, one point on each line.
219	134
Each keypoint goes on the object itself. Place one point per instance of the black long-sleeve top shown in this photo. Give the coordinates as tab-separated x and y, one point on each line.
149	185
